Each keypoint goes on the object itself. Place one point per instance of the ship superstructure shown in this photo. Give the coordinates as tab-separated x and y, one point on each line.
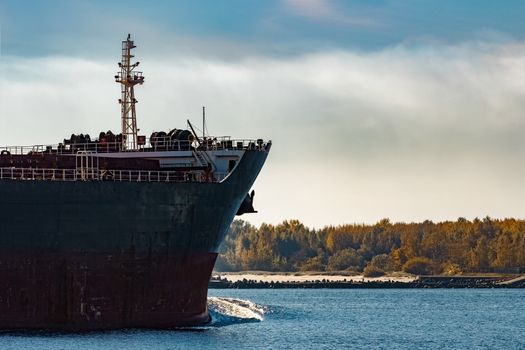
121	230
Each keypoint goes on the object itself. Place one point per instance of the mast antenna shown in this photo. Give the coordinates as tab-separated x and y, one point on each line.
203	122
128	78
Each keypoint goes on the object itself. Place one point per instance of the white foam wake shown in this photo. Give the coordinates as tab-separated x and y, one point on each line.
225	311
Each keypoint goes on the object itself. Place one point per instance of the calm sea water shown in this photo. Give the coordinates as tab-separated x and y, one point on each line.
325	318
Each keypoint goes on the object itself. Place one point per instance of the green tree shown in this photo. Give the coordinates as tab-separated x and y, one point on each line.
383	262
345	259
313	264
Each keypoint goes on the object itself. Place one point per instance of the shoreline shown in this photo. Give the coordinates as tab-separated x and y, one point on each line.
259	280
269	277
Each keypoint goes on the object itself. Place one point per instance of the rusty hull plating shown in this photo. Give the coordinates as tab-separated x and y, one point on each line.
86	255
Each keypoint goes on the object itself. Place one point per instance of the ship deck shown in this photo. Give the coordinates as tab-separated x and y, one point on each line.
102	161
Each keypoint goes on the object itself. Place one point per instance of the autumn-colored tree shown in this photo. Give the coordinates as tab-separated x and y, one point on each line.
373	271
445	247
418	266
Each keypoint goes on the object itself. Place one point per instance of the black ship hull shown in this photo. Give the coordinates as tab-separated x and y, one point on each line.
88	255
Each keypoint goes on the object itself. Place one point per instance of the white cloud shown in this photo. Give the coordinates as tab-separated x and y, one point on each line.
326	11
408	133
312	7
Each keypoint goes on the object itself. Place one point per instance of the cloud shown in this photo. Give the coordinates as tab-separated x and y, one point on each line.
406	132
326	11
312	8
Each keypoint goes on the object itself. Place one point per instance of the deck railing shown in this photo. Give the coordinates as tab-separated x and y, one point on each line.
34	174
152	145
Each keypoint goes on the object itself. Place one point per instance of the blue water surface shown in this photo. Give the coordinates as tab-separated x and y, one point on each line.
325	319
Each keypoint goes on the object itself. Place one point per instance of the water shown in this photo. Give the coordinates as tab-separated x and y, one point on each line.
325	318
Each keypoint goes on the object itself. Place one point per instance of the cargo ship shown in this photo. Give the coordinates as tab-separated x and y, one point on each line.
120	230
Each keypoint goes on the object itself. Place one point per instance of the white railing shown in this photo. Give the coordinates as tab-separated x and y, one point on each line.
157	144
34	174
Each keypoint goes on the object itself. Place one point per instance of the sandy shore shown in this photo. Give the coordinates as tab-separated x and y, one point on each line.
268	277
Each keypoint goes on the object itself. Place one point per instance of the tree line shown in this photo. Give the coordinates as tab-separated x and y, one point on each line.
449	247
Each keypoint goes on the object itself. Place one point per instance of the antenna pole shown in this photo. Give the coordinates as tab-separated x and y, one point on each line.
203	122
128	78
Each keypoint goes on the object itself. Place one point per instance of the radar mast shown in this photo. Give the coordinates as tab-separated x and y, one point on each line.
128	78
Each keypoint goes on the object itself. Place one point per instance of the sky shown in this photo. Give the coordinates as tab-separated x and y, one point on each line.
408	110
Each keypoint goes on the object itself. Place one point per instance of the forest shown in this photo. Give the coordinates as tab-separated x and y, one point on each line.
449	247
